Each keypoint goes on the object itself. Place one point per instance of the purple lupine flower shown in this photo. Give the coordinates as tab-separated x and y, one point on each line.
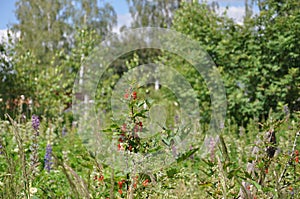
286	110
176	119
174	151
222	125
64	131
35	122
48	158
1	149
34	157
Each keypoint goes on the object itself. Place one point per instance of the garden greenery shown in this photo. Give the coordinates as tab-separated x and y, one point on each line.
255	156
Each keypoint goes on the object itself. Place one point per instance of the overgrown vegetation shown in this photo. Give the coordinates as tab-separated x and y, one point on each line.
255	156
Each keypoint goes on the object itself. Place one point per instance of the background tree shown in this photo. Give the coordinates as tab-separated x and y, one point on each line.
257	60
43	58
47	26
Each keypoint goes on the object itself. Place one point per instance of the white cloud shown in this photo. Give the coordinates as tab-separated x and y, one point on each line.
3	36
237	13
123	19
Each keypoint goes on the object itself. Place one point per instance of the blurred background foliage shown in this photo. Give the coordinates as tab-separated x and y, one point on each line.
258	60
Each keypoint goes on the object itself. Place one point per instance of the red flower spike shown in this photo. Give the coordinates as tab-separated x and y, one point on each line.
296	152
145	183
101	178
134	95
297	159
266	171
291	188
120	183
141	124
95	178
130	148
135	180
119	147
120	191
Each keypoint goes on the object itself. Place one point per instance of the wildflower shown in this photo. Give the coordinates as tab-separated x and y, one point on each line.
35	122
141	126
120	191
1	149
296	152
266	171
120	183
123	129
135	180
145	182
286	110
120	139
176	118
48	157
174	151
297	159
222	125
100	178
33	190
120	147
134	95
34	157
64	131
136	128
126	95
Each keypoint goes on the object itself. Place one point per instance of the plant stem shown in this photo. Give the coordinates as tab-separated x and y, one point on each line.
291	157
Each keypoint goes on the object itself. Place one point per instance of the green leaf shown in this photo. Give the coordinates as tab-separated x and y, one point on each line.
187	155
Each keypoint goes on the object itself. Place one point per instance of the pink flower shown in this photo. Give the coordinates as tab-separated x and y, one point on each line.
126	95
123	129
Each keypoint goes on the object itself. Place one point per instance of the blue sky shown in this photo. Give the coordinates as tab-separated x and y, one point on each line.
7	8
7	13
